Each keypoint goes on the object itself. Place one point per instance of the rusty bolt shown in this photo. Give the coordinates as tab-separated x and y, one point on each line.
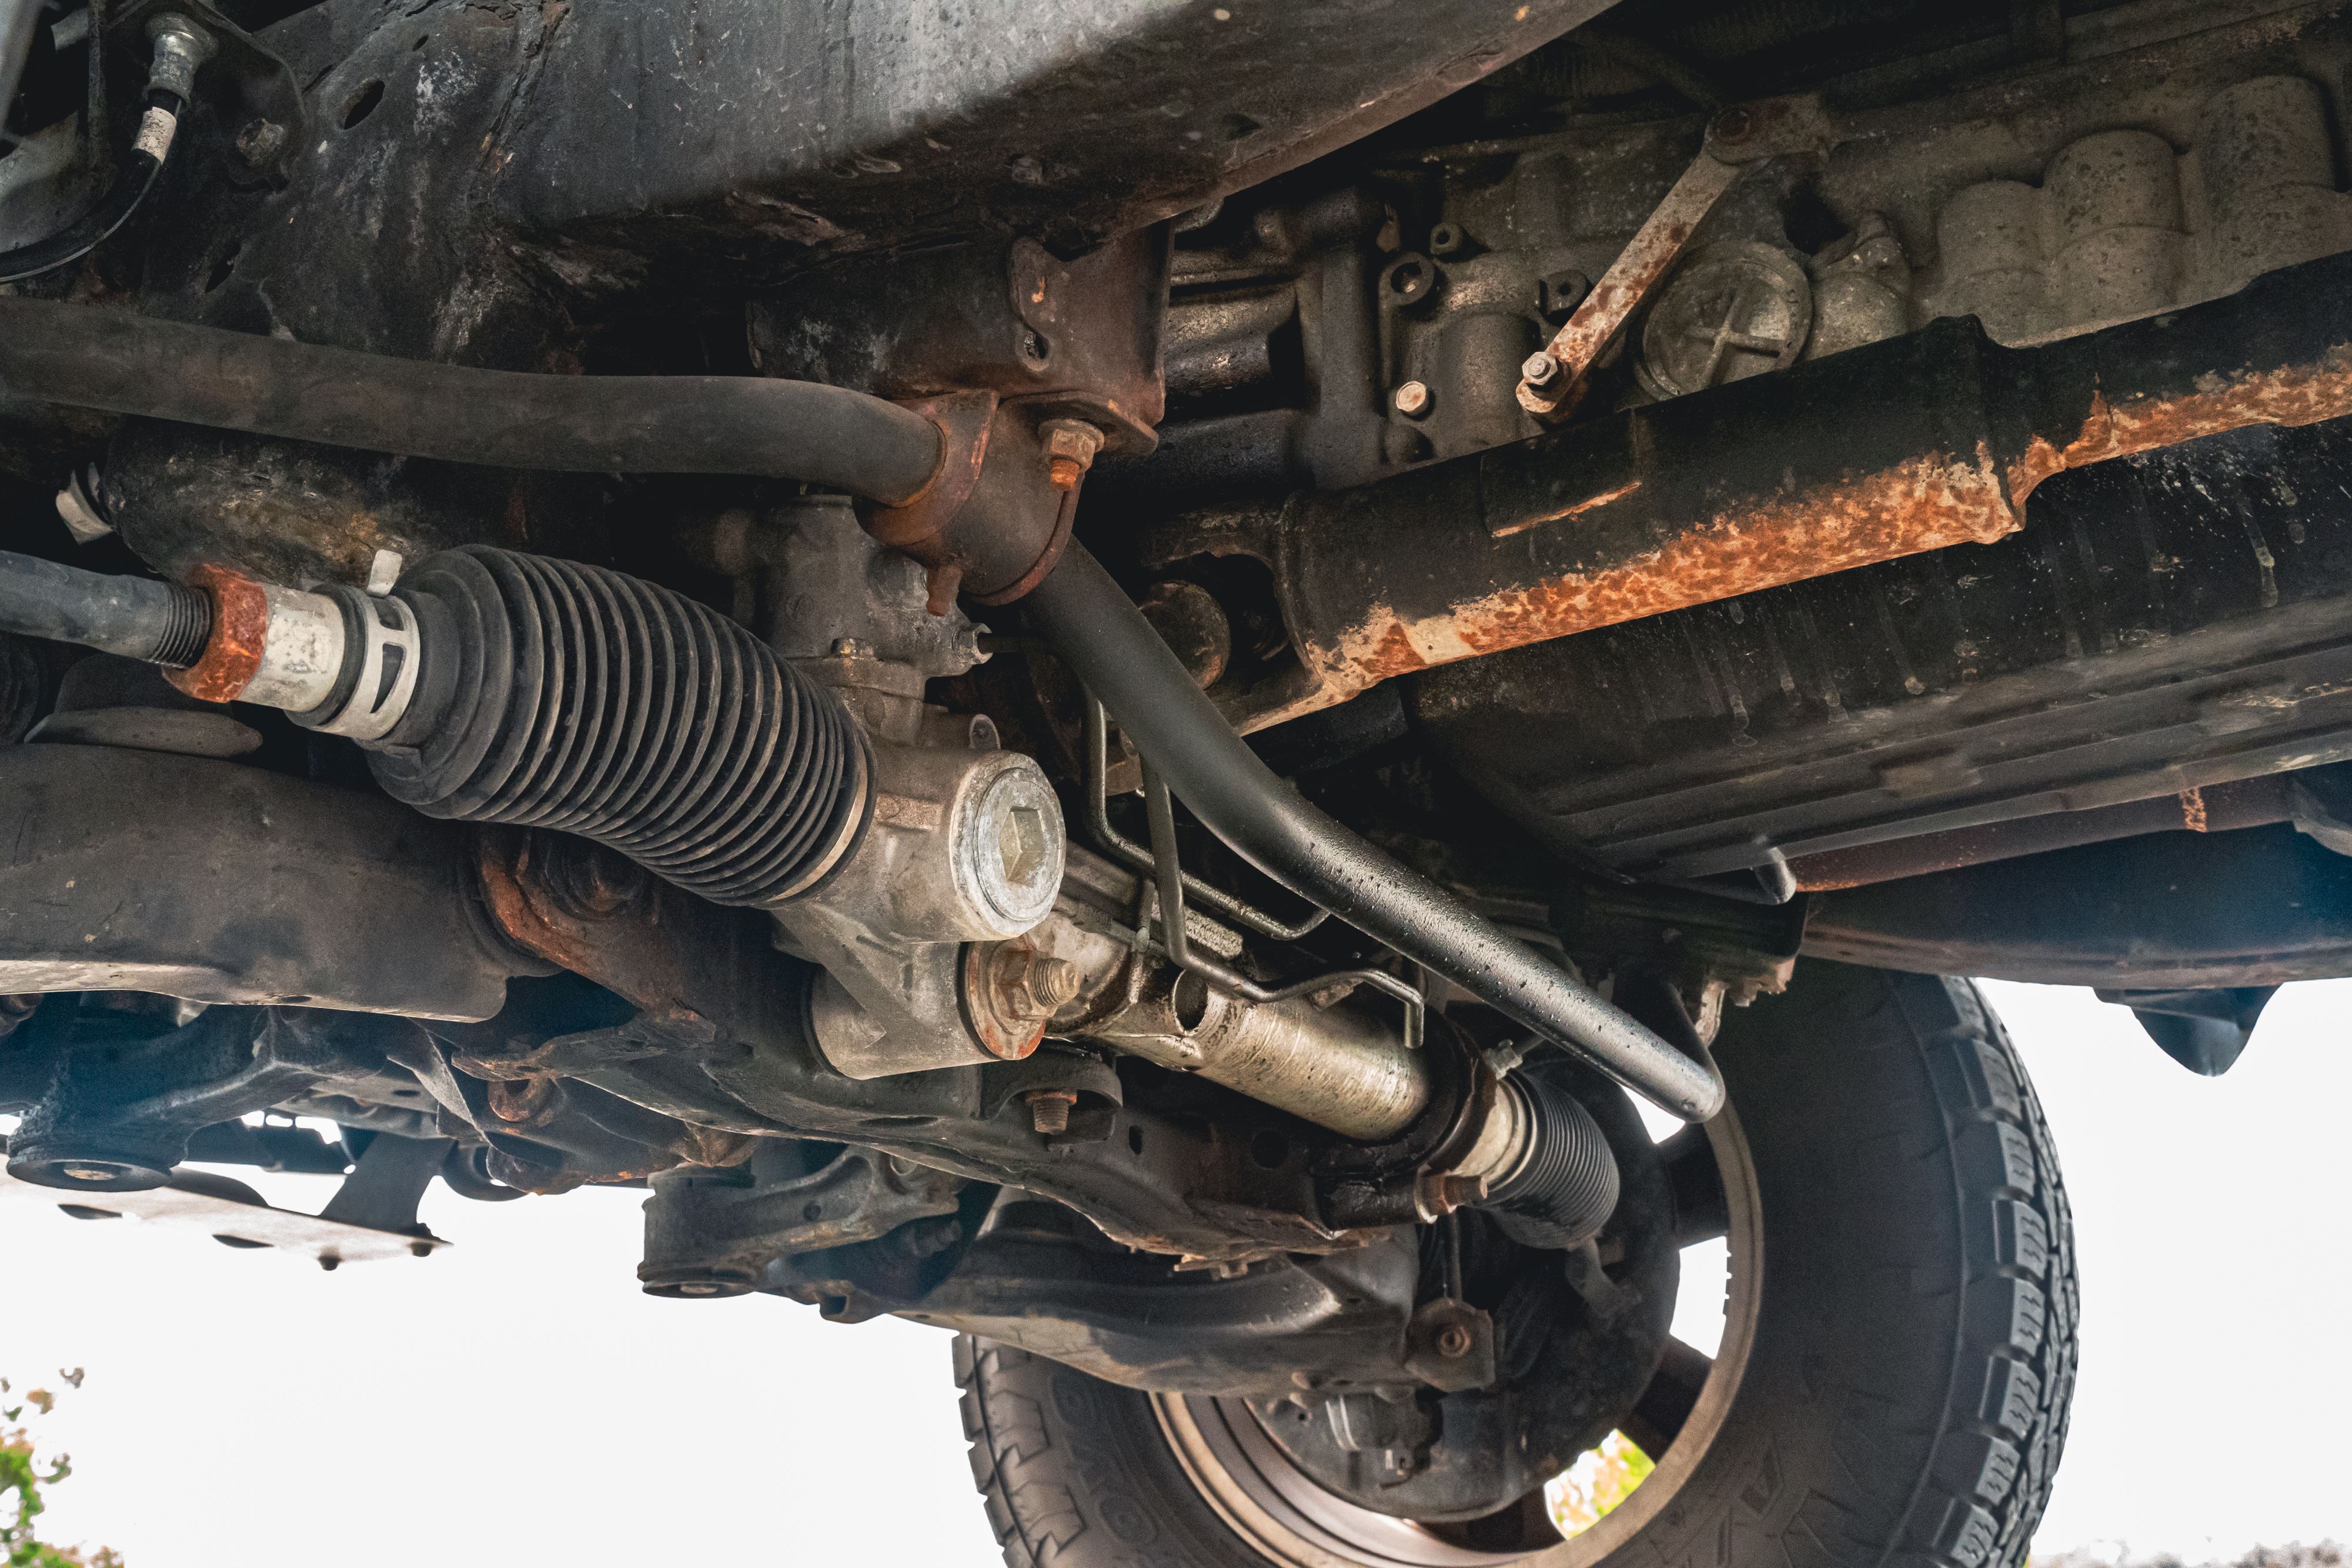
1452	1341
261	142
1070	446
1029	984
520	1099
1734	124
1049	1110
1411	399
1540	370
588	882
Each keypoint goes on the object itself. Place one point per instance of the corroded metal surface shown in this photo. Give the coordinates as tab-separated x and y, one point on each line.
1639	269
231	655
1917	444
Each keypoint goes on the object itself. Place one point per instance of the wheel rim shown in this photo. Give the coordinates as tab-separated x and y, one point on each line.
1294	1521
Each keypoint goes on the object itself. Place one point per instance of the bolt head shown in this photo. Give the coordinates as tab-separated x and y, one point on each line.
260	142
1071	438
1413	399
1540	370
1453	1342
1070	445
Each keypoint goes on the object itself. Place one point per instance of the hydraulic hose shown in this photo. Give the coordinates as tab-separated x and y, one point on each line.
126	363
1109	647
180	47
159	623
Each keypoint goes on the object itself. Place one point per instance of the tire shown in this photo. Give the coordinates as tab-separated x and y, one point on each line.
1908	1351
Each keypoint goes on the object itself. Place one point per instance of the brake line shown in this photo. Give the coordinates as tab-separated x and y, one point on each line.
180	48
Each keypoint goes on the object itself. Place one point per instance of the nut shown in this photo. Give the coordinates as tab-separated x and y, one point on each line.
1411	399
1540	370
1031	985
1070	445
1453	1342
586	882
520	1099
261	142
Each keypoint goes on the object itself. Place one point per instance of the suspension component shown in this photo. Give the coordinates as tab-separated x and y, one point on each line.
1111	647
492	687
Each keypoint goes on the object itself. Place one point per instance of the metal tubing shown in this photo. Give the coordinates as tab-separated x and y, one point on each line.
159	622
1334	1066
125	363
1096	767
1114	651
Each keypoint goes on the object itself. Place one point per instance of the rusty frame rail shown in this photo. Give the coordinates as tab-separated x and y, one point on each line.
1913	444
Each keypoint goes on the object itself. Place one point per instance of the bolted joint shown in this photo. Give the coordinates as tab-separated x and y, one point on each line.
181	49
1413	400
586	881
260	142
1029	984
1070	445
1540	370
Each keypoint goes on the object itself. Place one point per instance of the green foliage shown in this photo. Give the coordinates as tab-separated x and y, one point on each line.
22	1479
1600	1478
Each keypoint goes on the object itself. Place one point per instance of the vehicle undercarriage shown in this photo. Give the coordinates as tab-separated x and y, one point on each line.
1117	676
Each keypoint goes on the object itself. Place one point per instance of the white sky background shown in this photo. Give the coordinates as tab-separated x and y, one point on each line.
515	1401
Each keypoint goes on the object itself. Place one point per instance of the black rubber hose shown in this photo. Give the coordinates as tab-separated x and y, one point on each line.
1565	1190
1109	647
138	617
127	363
133	179
556	694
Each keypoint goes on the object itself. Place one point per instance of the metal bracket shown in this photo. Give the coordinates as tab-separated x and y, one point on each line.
1450	1345
252	91
1551	382
234	1215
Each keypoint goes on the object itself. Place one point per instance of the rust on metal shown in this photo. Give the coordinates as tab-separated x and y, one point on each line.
992	974
1925	504
1914	445
964	419
2287	395
1590	504
1639	269
527	915
231	655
